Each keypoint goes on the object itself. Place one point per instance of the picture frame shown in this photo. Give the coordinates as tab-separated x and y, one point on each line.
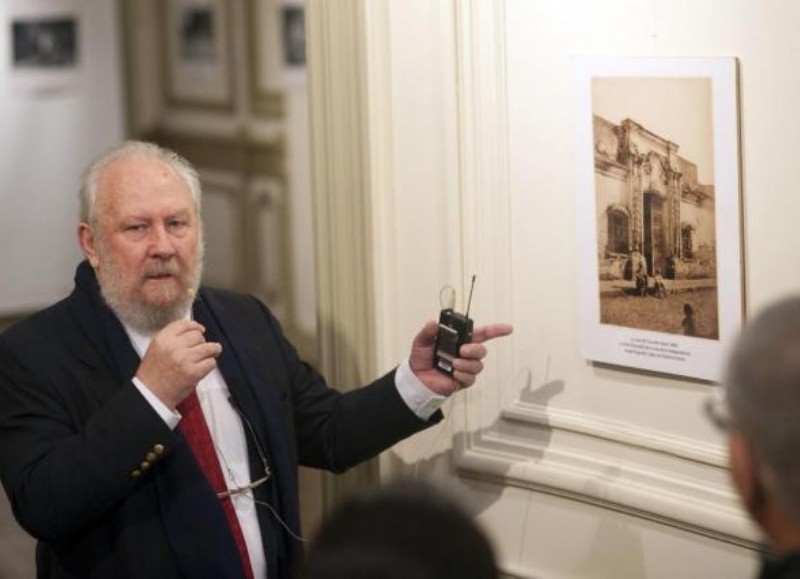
659	231
198	66
291	20
266	90
46	46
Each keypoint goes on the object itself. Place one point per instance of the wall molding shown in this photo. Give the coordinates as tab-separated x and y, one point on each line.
599	479
656	476
617	432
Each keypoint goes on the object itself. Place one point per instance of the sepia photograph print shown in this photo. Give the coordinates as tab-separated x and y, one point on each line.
658	198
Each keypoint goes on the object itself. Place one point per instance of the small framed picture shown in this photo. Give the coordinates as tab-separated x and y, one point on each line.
198	65
293	35
277	50
45	45
45	42
660	282
264	50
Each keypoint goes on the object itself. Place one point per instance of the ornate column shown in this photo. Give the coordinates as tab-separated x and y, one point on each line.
342	181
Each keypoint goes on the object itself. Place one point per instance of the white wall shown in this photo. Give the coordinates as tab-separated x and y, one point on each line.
47	139
578	470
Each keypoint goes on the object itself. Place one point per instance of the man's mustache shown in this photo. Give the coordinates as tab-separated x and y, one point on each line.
162	268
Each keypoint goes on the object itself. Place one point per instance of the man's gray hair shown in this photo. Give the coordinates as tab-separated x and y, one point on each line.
763	394
132	150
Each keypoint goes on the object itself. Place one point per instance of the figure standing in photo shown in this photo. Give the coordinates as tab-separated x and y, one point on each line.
688	320
659	285
639	268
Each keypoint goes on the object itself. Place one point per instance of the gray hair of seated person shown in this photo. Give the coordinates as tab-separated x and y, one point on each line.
134	150
762	388
405	529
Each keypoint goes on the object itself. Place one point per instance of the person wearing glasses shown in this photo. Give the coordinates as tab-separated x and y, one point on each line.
758	406
152	428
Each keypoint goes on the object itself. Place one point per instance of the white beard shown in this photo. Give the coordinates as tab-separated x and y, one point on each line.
142	316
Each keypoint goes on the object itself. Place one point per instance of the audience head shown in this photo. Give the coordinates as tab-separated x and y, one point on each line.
761	406
406	529
141	232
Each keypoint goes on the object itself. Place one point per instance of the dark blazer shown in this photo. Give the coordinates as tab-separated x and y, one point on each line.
110	491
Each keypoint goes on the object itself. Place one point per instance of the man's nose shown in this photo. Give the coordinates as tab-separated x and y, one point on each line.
161	243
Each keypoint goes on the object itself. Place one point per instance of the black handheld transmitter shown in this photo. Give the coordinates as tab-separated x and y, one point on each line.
455	330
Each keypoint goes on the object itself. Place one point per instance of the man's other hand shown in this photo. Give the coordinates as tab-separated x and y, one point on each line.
176	360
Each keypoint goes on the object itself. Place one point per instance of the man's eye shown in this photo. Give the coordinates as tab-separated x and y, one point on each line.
138	228
176	224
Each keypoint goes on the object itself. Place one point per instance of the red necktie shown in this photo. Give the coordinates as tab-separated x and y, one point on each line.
194	428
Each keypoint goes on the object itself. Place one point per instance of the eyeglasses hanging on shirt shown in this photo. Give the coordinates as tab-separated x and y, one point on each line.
261	455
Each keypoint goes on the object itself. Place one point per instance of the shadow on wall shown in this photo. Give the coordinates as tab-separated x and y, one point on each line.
485	493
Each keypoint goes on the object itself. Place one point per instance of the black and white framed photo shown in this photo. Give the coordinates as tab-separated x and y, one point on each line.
291	15
660	281
198	64
45	45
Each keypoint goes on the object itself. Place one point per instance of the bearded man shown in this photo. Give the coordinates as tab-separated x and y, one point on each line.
151	428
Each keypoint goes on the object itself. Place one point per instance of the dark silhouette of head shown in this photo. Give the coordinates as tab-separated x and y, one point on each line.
404	530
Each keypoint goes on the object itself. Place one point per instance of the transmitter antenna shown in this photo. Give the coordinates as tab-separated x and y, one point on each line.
469	301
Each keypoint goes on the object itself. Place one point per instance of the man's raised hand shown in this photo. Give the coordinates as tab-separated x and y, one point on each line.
465	368
177	359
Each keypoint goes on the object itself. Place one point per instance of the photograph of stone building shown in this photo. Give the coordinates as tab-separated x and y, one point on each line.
655	201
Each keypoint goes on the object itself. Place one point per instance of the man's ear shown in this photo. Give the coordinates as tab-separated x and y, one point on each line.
87	243
745	475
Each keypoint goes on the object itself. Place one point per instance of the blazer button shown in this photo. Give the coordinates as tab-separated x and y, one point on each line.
158	449
144	466
150	456
136	473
